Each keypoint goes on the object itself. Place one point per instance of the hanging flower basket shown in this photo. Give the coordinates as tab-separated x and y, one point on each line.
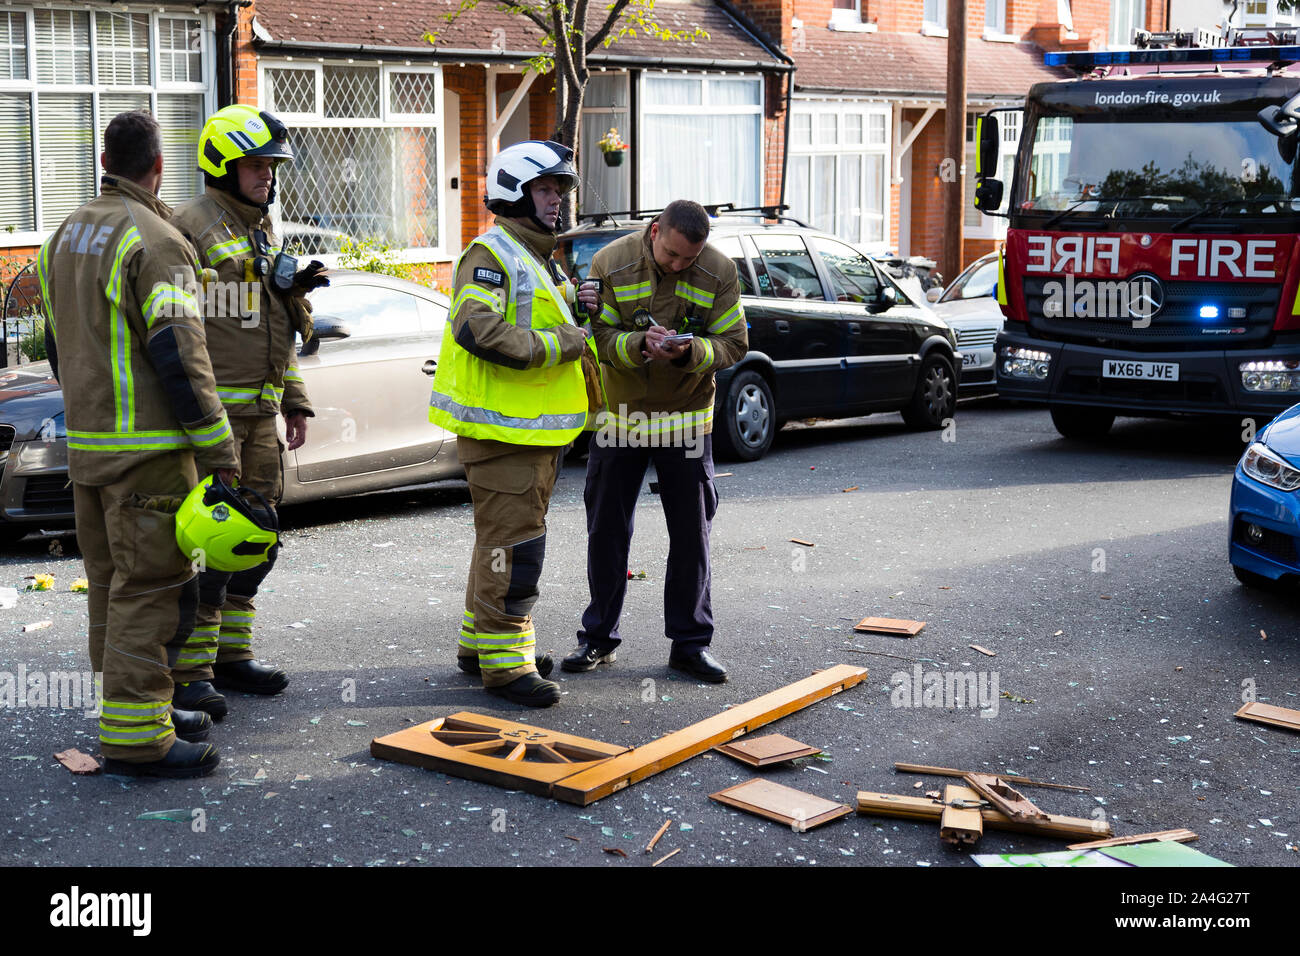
613	146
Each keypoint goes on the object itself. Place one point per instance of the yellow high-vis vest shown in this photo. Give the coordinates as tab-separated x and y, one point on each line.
481	399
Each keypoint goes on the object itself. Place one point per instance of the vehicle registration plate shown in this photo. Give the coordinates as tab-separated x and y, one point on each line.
1156	371
969	358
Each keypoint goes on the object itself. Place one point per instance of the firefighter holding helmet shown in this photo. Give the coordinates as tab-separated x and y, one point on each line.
252	310
510	384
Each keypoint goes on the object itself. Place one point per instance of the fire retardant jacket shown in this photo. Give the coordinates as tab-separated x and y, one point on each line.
635	294
250	325
117	282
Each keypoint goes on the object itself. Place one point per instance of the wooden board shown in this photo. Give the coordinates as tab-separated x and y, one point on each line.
889	625
921	808
1176	836
1268	714
492	750
767	750
960	826
1010	778
1004	796
794	808
588	786
578	770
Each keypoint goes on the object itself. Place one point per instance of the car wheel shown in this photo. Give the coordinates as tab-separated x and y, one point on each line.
748	418
1082	424
1261	582
935	398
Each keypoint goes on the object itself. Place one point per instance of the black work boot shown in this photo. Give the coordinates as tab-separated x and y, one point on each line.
469	665
191	725
585	658
249	677
199	695
700	665
530	690
182	761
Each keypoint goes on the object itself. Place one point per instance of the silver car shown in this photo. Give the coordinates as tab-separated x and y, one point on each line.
368	372
970	307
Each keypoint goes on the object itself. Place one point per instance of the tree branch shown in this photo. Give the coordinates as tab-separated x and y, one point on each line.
615	12
532	13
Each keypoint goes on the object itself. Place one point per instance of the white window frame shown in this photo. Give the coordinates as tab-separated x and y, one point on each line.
935	26
387	119
644	109
993	227
997	30
95	90
1272	18
590	150
1139	9
815	110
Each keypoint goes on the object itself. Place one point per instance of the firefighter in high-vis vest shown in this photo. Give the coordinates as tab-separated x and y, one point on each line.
253	307
510	384
125	339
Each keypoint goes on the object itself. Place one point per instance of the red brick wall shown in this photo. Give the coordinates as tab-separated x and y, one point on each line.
470	83
245	59
774	120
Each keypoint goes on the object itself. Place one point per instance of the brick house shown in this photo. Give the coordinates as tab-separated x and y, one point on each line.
392	133
866	155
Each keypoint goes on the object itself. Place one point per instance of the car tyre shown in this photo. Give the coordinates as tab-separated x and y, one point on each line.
935	398
748	418
1082	424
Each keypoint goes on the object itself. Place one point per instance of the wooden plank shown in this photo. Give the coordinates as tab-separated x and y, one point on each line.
1282	717
1004	796
950	772
421	746
920	808
767	750
1175	836
590	785
889	625
649	847
960	826
796	809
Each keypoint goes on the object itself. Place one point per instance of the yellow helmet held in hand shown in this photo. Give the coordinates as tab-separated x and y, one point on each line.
236	132
221	528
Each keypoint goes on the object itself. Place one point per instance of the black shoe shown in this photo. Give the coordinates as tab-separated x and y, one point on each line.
183	760
585	658
530	690
250	677
700	665
199	695
191	725
469	665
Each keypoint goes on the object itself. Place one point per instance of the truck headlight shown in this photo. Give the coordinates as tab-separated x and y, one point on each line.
1271	376
1025	363
1270	468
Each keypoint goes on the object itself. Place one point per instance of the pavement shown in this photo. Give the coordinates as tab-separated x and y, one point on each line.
1097	574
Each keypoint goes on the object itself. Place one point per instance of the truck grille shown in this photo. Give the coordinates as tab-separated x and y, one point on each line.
49	494
1178	325
1189	390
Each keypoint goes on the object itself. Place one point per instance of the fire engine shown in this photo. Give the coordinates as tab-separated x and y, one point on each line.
1151	265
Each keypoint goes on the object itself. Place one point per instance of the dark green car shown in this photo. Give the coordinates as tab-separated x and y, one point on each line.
830	335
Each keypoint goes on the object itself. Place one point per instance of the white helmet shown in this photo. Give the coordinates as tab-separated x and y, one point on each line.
517	165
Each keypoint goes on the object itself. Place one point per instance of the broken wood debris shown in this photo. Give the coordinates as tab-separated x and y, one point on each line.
1004	796
1176	836
1282	717
655	839
667	856
806	544
961	823
78	762
920	808
889	625
1010	778
983	650
767	750
773	801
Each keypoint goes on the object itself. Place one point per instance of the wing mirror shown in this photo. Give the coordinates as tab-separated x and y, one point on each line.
325	327
933	294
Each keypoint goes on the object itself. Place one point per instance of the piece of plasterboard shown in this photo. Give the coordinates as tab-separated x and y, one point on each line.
1269	714
896	627
767	750
771	800
590	785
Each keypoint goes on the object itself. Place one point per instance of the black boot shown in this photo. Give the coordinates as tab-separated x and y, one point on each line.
250	677
469	665
199	695
182	761
191	725
530	690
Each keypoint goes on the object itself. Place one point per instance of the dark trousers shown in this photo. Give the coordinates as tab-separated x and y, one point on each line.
689	500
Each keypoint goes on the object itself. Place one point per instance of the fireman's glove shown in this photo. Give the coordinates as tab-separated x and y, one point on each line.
312	277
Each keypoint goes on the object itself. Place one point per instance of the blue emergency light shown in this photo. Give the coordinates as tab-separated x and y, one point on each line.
1209	311
1088	60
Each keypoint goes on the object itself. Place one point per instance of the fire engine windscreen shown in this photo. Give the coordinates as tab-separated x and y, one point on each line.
1105	166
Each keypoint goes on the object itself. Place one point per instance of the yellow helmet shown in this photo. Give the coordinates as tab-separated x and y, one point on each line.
239	131
228	529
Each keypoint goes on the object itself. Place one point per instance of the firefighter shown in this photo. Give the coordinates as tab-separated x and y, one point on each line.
663	281
510	385
252	310
125	340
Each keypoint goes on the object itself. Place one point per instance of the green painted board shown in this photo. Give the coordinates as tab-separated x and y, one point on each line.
1161	853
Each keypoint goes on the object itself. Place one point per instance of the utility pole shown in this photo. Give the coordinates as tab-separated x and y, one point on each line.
954	192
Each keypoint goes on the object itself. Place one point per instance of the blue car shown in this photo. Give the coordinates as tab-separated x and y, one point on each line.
1265	508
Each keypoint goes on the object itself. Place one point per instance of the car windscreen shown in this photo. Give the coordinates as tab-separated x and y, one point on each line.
1104	165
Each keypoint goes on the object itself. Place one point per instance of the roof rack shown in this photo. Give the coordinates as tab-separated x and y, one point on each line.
1085	62
715	211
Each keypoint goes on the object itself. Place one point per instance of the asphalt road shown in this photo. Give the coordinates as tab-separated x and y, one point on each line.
1098	575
